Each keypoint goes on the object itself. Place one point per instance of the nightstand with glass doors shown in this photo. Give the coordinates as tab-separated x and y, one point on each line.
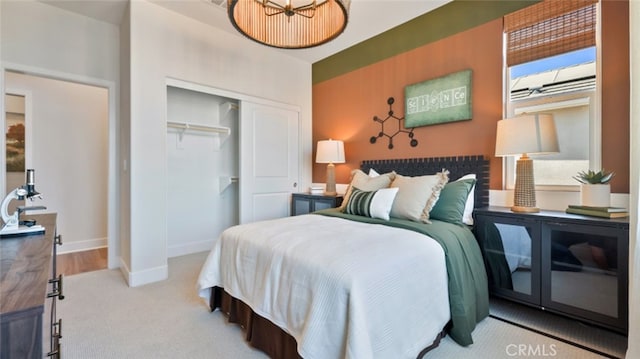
303	203
568	264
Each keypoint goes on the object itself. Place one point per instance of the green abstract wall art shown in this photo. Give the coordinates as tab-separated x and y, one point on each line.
440	100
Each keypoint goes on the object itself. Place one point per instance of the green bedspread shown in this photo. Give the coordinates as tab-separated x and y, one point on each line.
468	290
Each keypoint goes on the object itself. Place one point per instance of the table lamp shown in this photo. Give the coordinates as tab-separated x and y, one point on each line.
330	151
523	135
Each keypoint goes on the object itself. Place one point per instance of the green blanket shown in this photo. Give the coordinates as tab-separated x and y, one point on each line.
468	291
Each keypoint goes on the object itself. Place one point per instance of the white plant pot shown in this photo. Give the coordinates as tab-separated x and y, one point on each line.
595	195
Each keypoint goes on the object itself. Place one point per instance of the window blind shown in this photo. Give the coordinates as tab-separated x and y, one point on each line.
549	28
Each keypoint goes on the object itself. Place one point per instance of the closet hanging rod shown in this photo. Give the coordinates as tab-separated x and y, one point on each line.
195	127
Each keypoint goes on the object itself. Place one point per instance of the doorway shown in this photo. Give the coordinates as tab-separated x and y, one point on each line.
68	144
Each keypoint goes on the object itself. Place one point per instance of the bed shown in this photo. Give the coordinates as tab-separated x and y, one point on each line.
372	279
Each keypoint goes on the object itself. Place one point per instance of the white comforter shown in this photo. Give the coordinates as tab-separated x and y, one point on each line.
342	289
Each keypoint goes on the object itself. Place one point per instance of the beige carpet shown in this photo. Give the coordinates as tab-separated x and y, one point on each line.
103	318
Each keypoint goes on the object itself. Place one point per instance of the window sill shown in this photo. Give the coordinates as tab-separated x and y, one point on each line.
553	199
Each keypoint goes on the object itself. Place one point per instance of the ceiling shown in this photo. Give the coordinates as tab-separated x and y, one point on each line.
367	18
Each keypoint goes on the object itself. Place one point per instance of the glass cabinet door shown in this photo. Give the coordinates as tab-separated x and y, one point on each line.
322	204
584	271
301	205
511	256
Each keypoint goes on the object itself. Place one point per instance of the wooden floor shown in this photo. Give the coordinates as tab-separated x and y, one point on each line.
80	262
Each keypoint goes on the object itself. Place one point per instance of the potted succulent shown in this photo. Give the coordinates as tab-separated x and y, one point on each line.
595	190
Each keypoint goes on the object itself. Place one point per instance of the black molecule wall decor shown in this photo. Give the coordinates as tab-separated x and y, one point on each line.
392	132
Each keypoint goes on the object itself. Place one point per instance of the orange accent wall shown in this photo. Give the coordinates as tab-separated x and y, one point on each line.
344	106
615	92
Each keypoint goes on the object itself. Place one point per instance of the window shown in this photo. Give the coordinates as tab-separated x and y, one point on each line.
551	66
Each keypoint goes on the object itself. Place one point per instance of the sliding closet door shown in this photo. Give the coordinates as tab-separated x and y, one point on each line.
268	161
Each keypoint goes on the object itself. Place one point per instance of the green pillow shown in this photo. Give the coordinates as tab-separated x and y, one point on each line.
453	197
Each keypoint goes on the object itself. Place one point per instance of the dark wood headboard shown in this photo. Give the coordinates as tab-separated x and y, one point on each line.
457	167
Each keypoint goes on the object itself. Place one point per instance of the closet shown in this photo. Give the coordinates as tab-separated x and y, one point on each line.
230	160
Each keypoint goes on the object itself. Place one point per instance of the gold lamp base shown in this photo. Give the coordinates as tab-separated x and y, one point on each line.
524	209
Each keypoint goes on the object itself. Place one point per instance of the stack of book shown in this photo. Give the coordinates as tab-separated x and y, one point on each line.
606	212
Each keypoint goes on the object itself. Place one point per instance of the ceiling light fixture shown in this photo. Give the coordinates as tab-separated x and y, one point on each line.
289	24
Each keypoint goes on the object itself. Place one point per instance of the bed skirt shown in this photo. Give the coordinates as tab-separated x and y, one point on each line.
262	334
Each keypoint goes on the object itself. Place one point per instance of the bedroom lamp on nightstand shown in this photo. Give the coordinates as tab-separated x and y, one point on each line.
330	151
523	135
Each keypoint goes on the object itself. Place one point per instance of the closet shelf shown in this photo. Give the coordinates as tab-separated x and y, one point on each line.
196	127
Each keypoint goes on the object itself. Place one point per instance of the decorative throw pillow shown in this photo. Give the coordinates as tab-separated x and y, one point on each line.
374	204
451	204
362	181
417	195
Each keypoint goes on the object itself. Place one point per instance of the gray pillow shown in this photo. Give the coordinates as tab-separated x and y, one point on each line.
417	195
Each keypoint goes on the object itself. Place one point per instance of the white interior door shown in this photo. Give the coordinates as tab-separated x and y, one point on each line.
268	161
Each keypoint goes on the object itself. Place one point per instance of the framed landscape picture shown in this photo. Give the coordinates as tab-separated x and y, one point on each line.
15	136
440	100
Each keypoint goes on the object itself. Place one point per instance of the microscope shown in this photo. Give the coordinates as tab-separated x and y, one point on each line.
13	226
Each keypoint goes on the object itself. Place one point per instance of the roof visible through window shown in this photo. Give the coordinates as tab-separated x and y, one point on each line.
572	71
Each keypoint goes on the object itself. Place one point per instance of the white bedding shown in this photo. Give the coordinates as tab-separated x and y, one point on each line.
342	289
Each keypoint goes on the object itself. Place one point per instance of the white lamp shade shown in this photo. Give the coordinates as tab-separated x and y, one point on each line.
530	134
330	151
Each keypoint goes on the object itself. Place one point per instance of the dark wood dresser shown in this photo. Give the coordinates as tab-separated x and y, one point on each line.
27	279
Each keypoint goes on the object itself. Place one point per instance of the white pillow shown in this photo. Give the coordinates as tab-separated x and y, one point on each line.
417	195
374	204
373	173
467	216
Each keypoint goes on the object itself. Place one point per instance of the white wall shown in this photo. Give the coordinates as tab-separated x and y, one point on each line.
124	148
156	44
634	183
40	39
58	40
70	155
165	45
42	36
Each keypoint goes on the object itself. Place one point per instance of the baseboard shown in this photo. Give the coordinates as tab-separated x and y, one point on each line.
78	246
151	275
189	248
124	269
